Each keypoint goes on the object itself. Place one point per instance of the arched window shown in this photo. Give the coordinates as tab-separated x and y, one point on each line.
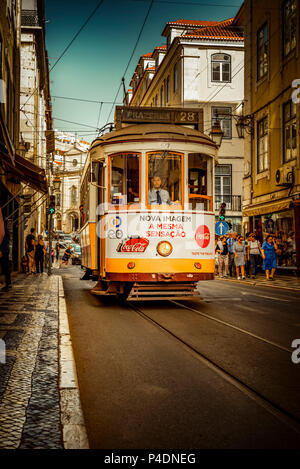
221	68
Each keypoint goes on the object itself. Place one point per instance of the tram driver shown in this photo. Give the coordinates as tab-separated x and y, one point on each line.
158	196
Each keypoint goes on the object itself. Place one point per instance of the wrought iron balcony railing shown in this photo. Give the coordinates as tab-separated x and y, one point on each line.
30	18
233	202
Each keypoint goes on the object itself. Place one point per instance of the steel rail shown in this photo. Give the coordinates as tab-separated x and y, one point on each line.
271	407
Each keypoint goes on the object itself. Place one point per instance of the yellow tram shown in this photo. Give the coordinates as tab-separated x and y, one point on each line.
147	219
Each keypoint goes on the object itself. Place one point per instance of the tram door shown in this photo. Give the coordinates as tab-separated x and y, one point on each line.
101	201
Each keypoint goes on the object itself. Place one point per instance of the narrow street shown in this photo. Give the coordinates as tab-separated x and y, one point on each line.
209	373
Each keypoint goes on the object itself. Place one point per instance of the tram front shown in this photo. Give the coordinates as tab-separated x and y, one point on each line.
156	221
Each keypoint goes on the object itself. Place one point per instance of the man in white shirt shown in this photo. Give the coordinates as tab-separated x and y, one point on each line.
158	196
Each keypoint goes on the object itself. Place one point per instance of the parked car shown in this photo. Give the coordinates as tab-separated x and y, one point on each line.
76	254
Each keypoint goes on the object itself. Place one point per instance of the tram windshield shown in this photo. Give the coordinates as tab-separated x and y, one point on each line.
200	197
125	179
164	178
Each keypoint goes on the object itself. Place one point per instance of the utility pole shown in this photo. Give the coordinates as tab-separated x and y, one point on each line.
50	219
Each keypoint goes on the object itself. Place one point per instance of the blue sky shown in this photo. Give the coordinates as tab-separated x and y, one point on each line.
93	66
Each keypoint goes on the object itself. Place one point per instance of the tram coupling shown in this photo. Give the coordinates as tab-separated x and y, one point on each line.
162	291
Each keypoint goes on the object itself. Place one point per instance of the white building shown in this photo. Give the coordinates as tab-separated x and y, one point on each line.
202	65
69	159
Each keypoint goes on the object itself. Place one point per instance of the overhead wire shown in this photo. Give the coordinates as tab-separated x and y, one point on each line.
131	56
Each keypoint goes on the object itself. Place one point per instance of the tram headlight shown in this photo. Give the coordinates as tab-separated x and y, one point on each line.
164	248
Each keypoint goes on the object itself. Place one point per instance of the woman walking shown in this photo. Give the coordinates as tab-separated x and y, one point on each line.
223	253
66	256
254	251
268	253
239	250
39	255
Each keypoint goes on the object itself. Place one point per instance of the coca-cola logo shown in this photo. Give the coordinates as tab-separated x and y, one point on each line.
202	236
134	245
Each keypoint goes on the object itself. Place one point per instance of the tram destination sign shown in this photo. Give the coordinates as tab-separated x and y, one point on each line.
159	115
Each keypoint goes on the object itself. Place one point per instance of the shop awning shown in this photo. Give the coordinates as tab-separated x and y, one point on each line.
26	171
267	208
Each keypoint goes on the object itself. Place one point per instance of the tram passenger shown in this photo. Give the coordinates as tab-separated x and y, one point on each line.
158	196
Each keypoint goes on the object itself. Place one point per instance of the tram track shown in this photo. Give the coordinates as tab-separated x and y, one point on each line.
263	401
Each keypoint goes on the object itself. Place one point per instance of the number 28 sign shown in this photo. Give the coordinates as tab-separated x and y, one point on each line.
202	236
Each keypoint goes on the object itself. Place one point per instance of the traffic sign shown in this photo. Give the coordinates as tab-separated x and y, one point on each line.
221	228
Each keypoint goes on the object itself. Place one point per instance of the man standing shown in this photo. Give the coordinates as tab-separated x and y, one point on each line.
30	250
4	252
231	238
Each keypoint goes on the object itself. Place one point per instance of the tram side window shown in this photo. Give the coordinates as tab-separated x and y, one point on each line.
198	191
164	178
125	179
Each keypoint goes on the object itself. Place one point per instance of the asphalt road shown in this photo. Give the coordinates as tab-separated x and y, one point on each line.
209	373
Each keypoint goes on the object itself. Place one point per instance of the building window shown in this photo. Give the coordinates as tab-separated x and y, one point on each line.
162	96
289	26
223	185
175	78
289	131
73	195
168	88
221	68
262	145
262	51
223	115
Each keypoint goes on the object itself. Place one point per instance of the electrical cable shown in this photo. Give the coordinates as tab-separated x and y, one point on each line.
132	54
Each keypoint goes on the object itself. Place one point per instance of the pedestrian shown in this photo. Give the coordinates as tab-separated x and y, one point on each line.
230	241
269	248
67	255
247	260
253	253
39	255
240	254
57	249
222	250
4	252
30	249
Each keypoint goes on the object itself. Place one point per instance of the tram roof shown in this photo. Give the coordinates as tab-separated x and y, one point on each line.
146	132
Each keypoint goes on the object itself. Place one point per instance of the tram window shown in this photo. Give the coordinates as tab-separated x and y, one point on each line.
164	178
199	199
125	179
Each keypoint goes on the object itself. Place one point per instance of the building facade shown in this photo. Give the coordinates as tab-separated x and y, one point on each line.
272	94
35	104
201	65
69	159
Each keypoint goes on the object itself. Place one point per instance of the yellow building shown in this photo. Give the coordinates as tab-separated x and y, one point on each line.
271	200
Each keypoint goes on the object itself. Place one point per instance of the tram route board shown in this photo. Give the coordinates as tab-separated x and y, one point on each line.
159	115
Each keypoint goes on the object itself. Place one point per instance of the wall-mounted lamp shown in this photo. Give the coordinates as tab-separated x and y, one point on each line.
216	133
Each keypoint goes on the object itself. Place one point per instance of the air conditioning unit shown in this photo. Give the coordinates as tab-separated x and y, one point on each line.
284	176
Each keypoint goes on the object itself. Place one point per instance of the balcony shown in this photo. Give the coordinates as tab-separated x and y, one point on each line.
233	202
30	18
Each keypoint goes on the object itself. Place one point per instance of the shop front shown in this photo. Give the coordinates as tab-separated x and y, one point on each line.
280	220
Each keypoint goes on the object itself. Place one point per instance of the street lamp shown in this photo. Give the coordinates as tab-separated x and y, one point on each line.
216	133
244	123
56	184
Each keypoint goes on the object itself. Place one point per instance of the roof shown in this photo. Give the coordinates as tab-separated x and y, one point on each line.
147	55
221	30
192	22
153	132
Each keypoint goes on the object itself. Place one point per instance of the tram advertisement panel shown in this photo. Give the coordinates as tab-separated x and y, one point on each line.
130	235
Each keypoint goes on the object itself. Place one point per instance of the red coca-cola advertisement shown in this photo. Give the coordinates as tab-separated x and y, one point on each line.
202	236
134	245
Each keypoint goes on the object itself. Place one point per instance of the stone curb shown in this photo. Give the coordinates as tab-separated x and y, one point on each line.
72	420
257	284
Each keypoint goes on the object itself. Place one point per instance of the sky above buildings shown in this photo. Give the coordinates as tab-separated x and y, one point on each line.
93	66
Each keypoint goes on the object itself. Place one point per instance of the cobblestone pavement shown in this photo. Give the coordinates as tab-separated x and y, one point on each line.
29	393
286	282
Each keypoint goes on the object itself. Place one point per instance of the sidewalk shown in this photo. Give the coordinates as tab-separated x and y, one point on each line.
285	282
39	397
